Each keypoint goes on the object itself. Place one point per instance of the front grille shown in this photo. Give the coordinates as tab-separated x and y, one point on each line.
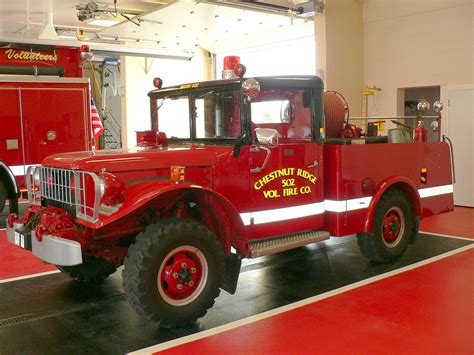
55	184
65	187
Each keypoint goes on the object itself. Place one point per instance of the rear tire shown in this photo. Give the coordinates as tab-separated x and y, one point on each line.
173	272
392	228
91	271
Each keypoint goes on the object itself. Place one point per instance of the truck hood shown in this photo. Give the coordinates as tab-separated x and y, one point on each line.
133	159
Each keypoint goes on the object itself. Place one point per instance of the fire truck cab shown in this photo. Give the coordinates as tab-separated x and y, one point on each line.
231	169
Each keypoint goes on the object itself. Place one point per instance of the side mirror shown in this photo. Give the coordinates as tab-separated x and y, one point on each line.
268	137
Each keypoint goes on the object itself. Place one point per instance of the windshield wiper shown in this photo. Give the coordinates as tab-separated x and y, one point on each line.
162	102
204	95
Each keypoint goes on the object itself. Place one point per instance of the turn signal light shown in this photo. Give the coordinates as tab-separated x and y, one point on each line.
177	174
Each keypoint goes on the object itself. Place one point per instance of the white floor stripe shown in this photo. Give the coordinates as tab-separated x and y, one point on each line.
448	236
29	276
289	307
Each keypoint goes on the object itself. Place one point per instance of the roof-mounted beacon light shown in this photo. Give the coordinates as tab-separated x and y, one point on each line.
86	54
232	68
157	83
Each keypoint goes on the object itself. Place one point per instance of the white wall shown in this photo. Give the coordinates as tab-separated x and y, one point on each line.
291	57
339	37
410	43
137	81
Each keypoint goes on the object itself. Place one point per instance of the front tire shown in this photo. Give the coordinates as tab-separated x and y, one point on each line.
392	228
91	271
3	195
173	272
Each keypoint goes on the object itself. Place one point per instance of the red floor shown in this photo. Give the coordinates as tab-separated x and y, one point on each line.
459	223
404	314
16	262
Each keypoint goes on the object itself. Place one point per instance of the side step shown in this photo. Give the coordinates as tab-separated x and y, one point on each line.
286	242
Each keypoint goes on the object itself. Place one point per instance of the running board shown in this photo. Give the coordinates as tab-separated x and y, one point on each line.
286	242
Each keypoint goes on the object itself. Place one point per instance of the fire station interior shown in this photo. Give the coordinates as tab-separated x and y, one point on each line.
366	92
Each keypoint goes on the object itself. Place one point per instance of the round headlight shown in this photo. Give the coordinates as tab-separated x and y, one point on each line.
111	189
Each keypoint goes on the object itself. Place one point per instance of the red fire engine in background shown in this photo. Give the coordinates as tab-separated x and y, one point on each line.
231	169
45	109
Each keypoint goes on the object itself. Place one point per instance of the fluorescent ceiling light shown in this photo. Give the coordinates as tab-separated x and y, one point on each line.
67	37
103	23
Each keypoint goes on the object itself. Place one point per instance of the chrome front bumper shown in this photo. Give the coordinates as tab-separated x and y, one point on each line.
51	249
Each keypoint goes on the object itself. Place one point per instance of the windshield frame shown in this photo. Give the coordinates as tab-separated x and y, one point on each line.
193	94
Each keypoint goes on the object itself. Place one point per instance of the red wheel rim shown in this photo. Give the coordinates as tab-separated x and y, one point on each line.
182	275
393	227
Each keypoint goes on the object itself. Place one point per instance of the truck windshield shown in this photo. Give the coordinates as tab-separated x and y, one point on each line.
214	114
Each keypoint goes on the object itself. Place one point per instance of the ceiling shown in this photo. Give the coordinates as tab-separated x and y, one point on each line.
161	24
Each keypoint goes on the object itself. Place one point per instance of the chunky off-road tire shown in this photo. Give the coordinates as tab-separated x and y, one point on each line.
91	271
392	228
3	195
173	272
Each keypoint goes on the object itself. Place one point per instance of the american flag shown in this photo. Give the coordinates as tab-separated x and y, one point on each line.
97	127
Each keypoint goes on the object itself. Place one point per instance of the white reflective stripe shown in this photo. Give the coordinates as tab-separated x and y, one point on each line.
245	218
19	170
436	191
282	214
347	205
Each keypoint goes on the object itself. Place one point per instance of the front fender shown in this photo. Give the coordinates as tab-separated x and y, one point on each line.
139	195
398	182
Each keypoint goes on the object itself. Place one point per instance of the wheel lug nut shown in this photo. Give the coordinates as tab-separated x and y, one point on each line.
175	275
190	283
193	270
184	265
180	286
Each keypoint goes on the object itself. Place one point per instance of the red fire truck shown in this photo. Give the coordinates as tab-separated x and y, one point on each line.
45	109
231	169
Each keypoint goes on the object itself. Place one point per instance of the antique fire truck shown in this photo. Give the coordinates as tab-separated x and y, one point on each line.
45	109
233	168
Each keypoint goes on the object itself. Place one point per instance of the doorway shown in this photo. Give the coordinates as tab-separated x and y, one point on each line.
412	97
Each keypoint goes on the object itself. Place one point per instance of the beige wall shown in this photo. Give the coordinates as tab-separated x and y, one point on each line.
339	52
412	43
137	81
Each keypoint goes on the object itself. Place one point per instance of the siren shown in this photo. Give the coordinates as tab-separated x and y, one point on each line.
232	68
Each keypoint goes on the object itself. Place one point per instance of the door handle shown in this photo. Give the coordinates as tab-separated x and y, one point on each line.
315	163
265	162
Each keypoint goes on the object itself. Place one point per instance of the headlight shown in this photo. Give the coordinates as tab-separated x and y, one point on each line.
36	179
111	189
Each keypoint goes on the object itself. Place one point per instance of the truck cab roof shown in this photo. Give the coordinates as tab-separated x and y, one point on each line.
287	81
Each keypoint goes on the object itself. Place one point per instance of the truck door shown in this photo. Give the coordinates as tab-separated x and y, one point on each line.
286	180
55	119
